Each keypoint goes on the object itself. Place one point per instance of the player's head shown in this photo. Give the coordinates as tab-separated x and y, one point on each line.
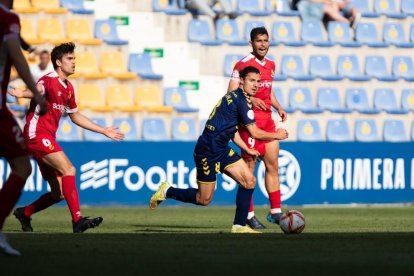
63	58
259	40
250	80
44	58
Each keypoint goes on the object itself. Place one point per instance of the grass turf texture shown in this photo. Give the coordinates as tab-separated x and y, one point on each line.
197	241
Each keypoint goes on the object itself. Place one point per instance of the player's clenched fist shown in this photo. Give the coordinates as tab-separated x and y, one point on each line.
282	134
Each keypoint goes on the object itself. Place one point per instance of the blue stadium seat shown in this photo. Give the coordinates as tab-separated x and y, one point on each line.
367	33
402	67
407	7
183	129
142	65
251	7
106	30
308	130
407	99
67	131
337	130
394	131
393	33
168	7
366	130
154	129
364	8
249	25
384	99
283	32
281	7
412	131
300	98
412	32
388	8
228	31
328	99
281	99
313	32
75	6
199	31
357	99
94	136
176	97
376	67
320	66
292	66
348	66
340	33
128	127
229	61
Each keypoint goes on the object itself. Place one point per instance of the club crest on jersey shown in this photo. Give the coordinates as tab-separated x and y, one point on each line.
250	114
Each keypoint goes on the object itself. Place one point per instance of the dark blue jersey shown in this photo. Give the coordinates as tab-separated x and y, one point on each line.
233	109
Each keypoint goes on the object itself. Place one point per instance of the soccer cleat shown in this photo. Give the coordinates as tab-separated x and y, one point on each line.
243	230
254	223
159	195
24	220
274	218
6	248
85	223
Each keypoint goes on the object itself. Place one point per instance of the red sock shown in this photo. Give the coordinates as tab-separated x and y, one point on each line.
274	198
251	208
9	194
71	195
40	204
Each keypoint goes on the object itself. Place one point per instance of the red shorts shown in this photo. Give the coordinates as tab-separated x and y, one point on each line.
11	143
265	122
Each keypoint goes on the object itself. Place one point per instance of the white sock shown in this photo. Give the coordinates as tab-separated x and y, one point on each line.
237	225
250	215
276	211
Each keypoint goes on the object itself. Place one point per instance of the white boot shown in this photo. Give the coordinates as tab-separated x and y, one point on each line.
6	248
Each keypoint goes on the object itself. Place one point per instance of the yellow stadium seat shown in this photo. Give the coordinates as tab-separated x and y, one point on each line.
49	6
50	29
90	96
80	30
87	66
150	98
113	63
28	31
24	6
119	98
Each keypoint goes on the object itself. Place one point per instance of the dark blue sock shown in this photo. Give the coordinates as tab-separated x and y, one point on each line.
184	195
242	205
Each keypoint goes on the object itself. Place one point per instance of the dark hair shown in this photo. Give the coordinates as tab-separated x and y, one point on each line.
44	52
258	31
59	51
249	69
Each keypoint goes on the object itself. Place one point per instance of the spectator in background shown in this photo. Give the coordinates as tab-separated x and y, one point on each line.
43	67
197	7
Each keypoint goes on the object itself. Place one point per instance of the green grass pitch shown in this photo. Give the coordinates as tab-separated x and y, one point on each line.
197	241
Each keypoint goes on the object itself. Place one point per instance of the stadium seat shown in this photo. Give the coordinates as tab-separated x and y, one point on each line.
320	67
366	130
114	64
49	6
284	33
364	7
80	30
176	97
407	7
376	67
407	99
388	8
394	131
348	66
328	99
142	65
337	130
76	6
357	99
292	66
168	7
128	127
281	99
199	31
150	98
106	30
94	136
24	6
340	33
384	99
252	7
249	25
118	97
87	66
300	99
183	129
227	31
308	130
230	61
402	67
51	30
412	131
281	7
154	129
313	32
90	96
412	32
67	130
366	33
393	33
29	32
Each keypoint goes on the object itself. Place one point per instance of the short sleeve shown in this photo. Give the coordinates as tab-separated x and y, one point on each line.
236	70
71	107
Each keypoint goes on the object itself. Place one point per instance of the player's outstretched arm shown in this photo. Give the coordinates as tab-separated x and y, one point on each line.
242	145
260	134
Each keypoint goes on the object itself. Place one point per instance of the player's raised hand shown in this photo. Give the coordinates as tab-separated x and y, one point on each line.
113	133
15	91
259	103
282	134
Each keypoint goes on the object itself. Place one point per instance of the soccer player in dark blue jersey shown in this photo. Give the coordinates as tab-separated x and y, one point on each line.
212	153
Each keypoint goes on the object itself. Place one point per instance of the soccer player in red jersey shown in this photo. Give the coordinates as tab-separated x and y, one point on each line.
40	137
12	145
262	102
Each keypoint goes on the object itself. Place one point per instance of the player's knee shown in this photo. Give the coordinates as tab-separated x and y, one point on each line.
251	182
70	170
204	201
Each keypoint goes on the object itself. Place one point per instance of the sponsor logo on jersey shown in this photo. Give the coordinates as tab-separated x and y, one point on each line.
266	84
59	107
